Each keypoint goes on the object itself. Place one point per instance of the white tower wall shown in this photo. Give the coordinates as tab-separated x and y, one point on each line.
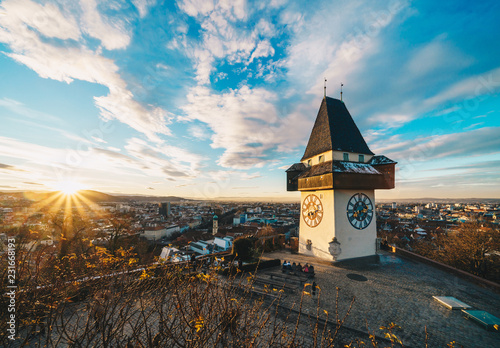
335	223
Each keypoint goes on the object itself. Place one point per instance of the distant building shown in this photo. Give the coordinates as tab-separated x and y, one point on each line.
215	224
173	255
159	232
165	209
418	209
239	219
202	247
223	244
216	245
123	208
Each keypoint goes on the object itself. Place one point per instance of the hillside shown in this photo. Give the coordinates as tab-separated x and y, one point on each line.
93	196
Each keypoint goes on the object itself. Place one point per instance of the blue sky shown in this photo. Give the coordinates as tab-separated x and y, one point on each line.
216	99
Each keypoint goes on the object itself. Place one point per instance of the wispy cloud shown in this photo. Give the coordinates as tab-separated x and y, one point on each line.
143	6
449	145
113	35
8	167
248	176
23	110
33	183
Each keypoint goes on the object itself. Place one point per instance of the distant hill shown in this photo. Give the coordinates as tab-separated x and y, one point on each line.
97	197
93	196
152	198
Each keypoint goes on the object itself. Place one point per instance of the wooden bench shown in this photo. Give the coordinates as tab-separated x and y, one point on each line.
288	278
297	274
275	285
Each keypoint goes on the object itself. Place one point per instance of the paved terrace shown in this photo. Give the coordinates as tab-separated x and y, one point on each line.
399	290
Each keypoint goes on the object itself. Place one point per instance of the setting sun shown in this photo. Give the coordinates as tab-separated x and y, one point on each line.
69	187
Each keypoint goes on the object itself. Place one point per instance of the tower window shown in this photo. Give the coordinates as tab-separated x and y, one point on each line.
362	158
321	159
346	156
309	163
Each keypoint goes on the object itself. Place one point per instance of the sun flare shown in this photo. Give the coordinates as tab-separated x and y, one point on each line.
69	187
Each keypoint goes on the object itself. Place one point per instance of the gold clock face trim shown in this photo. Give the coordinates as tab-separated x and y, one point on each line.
312	210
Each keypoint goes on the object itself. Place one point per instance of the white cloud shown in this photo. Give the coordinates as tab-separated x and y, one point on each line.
4	166
99	140
247	176
143	5
240	121
477	142
467	93
246	125
112	34
199	132
470	88
47	19
16	149
438	54
171	161
120	105
197	7
48	164
265	28
347	46
68	63
263	49
224	37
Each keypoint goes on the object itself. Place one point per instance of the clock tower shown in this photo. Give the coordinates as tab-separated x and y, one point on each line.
337	178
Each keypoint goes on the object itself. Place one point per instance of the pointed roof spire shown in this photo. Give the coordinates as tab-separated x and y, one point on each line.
335	129
325	88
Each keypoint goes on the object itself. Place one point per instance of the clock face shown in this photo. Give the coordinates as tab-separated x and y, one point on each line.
312	210
360	211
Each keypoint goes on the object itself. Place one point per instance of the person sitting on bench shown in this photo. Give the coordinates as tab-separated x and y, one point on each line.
286	266
311	271
299	267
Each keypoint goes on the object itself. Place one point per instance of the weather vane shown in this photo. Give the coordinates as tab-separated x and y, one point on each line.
341	84
325	87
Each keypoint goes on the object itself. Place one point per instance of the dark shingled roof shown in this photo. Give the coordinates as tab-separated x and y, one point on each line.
296	167
381	159
335	129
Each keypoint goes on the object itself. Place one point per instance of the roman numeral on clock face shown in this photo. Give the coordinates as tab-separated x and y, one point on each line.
359	211
312	210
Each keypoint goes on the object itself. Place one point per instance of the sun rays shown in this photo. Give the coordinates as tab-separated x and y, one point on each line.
69	187
70	198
